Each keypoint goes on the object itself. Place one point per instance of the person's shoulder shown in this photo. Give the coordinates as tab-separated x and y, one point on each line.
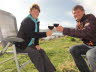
26	19
90	16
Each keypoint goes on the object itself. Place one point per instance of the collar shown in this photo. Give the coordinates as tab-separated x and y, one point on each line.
82	19
30	16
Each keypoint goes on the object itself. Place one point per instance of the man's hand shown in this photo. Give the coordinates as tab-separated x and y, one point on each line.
49	33
60	28
38	47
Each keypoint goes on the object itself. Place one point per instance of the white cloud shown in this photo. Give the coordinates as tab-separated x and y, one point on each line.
20	9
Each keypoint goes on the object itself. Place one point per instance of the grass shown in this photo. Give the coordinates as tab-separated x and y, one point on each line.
56	49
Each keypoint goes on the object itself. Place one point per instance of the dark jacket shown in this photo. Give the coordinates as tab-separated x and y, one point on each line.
27	31
86	30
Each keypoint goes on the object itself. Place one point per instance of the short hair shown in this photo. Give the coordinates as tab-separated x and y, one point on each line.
78	7
35	6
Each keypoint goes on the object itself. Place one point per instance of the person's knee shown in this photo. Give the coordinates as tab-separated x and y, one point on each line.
73	49
91	53
42	51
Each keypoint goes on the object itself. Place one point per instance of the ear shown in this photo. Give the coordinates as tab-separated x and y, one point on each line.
72	12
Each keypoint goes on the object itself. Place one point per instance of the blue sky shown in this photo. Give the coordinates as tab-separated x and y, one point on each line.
52	11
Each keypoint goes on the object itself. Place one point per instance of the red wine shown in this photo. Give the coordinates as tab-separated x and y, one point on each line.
50	27
56	25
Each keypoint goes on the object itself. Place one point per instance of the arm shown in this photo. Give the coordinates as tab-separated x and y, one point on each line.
28	28
86	32
36	41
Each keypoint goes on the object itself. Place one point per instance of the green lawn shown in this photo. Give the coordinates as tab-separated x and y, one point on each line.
56	49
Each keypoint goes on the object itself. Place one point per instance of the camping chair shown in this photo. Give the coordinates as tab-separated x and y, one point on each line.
8	36
84	56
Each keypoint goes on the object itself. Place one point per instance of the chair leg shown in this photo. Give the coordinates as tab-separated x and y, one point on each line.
5	48
15	57
84	56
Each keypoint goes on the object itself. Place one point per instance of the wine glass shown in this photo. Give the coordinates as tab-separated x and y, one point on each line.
56	24
50	26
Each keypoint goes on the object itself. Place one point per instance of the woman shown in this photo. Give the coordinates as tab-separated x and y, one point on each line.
29	31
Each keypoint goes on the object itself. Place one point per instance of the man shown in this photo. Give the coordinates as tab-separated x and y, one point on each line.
86	31
29	31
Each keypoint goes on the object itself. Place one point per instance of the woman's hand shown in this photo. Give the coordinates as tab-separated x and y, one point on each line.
49	33
38	47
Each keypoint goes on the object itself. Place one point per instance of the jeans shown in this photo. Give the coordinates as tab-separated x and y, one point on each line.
39	58
91	56
90	52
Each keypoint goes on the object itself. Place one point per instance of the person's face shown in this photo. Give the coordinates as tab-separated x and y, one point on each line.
78	14
35	13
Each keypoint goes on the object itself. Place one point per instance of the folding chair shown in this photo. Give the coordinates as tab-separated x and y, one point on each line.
8	36
84	56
